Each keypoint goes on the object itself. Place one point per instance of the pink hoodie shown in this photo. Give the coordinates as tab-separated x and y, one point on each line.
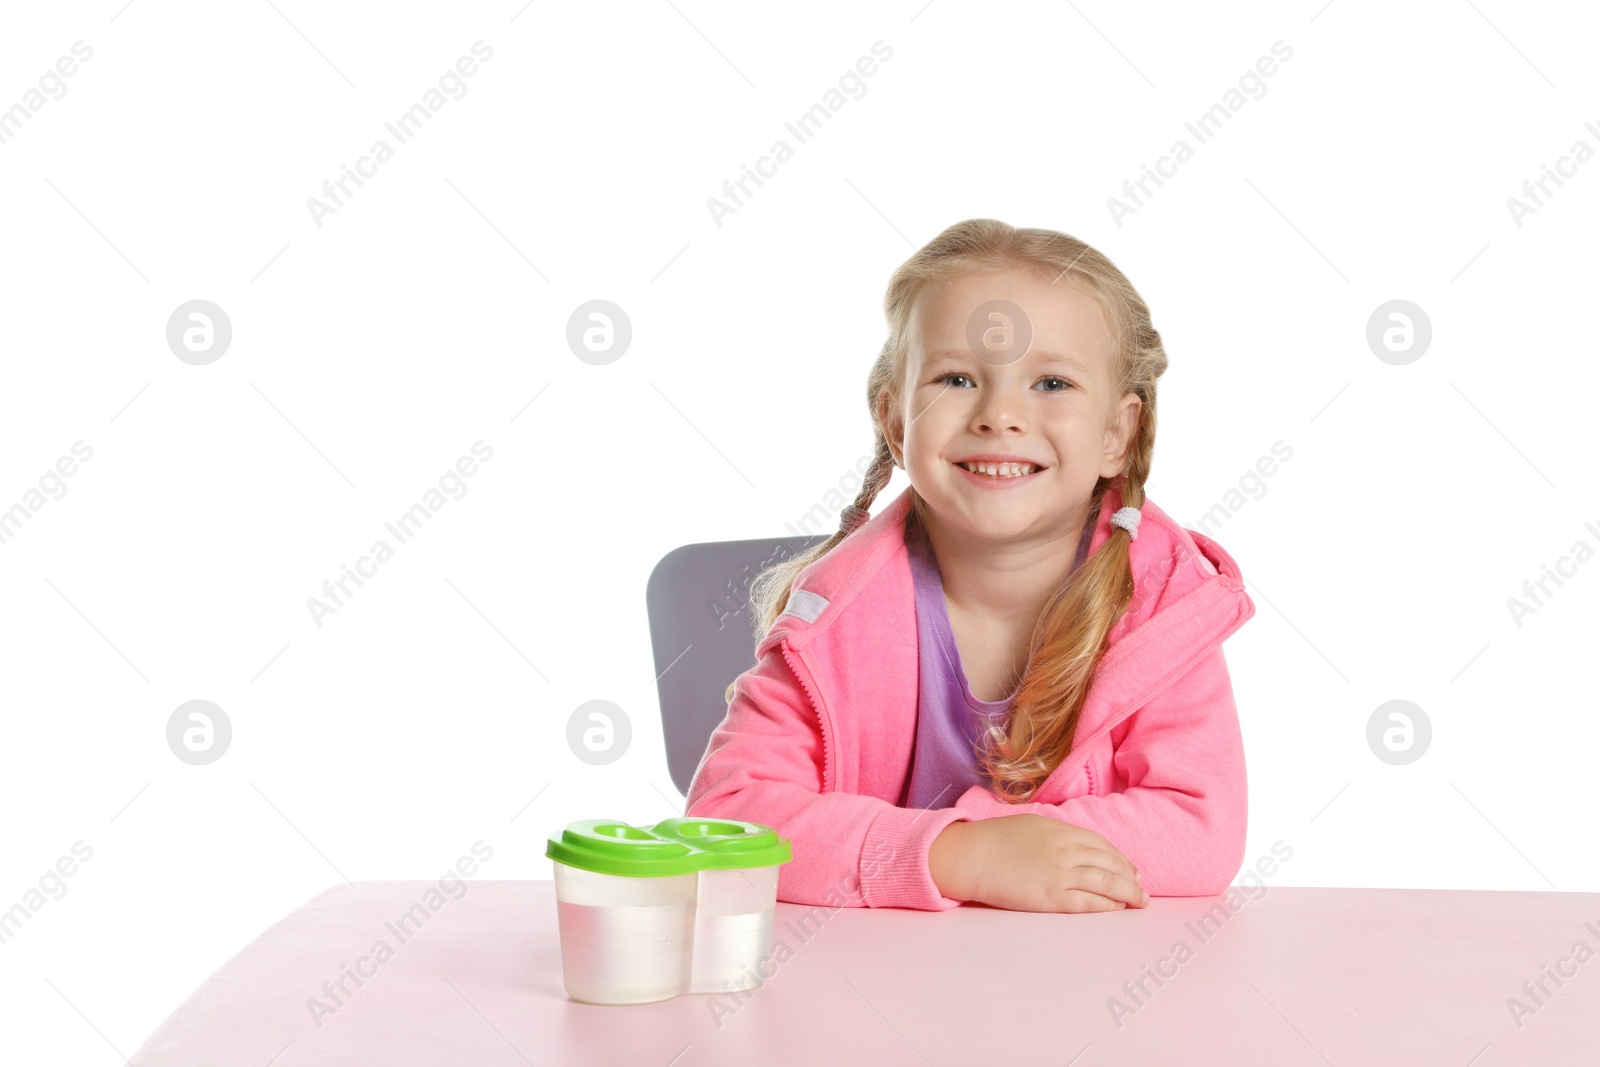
818	739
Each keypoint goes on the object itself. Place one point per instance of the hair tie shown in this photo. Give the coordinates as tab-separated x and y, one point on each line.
1128	519
851	517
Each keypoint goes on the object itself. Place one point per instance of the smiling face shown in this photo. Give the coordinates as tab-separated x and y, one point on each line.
977	386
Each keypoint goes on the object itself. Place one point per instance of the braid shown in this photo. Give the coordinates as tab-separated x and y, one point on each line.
770	589
877	476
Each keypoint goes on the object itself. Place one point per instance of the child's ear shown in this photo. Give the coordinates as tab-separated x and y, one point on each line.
1120	430
893	432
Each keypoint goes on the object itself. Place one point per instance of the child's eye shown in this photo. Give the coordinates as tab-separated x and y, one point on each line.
1065	385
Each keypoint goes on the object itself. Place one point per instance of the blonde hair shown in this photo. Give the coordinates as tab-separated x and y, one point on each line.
1069	636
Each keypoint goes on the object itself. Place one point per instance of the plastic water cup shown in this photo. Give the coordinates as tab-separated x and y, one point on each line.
624	940
686	906
734	912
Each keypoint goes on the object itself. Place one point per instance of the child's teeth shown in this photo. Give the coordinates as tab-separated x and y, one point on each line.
1000	470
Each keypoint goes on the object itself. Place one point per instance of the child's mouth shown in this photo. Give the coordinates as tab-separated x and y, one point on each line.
1005	476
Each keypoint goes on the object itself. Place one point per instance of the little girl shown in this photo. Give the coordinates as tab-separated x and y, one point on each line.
1008	686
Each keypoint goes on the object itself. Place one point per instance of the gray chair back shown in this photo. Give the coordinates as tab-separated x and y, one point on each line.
702	634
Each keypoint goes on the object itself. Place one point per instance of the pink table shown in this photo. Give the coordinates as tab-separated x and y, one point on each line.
1294	976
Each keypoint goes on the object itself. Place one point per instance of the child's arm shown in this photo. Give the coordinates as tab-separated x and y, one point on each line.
1181	820
764	764
1029	862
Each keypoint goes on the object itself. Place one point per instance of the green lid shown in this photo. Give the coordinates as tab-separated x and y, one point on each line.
673	846
608	846
732	843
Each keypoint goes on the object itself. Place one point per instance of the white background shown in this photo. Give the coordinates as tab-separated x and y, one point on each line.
427	312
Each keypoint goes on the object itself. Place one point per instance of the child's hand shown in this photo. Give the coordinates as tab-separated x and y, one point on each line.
1033	863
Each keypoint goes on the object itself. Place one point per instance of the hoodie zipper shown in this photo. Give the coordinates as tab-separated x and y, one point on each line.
816	709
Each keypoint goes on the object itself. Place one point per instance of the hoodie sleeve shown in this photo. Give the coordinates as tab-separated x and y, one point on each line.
764	763
1182	818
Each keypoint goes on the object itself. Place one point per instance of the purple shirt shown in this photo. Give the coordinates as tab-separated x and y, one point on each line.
950	720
